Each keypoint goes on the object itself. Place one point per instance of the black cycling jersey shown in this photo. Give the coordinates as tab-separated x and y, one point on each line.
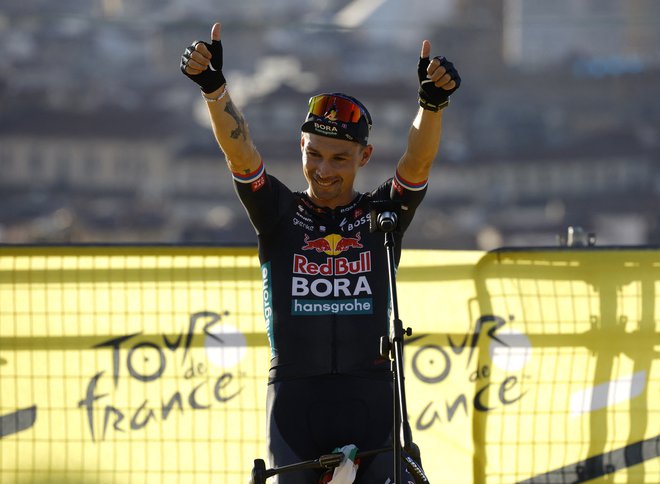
325	277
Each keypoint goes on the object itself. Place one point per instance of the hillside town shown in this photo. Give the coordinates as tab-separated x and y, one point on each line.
556	124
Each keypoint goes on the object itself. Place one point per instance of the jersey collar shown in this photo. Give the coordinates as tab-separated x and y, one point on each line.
327	211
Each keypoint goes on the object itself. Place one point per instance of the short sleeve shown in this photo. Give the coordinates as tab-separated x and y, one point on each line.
264	198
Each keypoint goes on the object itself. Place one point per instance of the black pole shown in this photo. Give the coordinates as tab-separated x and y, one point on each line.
384	218
401	432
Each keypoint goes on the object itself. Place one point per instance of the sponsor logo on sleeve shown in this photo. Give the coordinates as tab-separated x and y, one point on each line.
259	182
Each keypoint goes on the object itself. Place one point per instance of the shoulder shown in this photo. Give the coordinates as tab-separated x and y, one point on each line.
382	191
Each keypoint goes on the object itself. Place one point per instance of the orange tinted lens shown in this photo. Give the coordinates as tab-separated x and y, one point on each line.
335	108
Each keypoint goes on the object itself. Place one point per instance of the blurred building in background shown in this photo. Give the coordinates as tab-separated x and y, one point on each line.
557	122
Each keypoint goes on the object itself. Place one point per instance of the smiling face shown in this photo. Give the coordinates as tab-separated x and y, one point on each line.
330	166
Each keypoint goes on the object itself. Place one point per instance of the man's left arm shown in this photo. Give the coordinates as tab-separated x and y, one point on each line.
438	79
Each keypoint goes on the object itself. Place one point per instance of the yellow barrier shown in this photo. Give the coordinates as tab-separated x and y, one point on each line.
149	364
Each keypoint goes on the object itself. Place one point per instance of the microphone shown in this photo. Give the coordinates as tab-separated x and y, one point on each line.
384	215
387	221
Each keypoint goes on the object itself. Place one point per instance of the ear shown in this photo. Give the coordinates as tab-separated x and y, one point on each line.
302	142
366	155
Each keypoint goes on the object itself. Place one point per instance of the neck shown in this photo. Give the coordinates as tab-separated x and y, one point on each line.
332	204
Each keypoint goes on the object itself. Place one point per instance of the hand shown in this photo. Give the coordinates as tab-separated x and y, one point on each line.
438	79
202	62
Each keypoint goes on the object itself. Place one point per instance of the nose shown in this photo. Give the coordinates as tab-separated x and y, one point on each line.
324	169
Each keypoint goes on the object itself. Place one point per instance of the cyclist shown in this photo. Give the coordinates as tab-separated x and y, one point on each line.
324	272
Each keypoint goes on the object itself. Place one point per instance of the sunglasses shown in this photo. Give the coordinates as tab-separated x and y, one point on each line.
335	107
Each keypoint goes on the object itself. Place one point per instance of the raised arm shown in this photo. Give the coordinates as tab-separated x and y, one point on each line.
438	79
202	62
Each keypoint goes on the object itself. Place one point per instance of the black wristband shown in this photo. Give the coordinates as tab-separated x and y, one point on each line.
212	78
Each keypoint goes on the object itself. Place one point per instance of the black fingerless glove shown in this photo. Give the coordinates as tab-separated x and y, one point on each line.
431	97
210	79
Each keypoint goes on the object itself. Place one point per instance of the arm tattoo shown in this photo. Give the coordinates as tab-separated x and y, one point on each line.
240	122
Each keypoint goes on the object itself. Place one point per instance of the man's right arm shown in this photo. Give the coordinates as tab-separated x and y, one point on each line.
232	134
202	63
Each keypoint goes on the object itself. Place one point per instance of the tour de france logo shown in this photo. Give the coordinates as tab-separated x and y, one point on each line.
501	380
179	375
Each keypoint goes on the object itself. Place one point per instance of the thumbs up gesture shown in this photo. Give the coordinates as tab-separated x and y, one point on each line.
438	79
202	62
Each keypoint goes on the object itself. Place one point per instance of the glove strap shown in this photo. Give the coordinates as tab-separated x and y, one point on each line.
429	106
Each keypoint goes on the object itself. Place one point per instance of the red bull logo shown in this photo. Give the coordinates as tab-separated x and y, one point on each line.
332	244
333	266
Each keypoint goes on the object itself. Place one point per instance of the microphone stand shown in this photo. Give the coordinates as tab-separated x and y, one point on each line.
384	218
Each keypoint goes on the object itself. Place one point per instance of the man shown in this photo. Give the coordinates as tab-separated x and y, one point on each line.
324	273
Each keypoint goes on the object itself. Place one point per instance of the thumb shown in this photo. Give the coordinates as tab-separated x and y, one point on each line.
215	31
426	49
